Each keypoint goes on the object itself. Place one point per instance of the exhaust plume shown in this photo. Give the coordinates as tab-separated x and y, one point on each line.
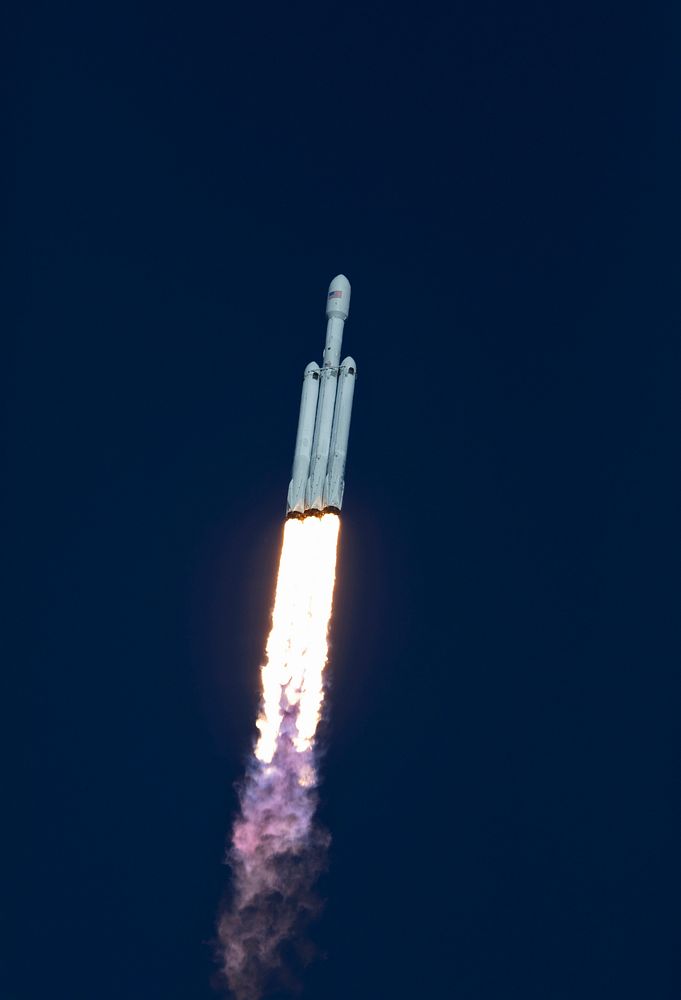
277	849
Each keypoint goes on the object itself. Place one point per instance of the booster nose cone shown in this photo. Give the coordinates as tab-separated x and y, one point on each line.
311	369
348	364
338	298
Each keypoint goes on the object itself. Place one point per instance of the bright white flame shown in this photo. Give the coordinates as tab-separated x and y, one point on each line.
297	647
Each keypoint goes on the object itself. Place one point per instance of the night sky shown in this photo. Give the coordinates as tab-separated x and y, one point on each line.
498	181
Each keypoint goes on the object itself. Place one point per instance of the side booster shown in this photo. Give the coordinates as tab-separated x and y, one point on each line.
317	479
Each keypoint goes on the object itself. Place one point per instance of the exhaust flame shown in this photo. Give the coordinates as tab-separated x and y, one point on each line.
277	850
297	646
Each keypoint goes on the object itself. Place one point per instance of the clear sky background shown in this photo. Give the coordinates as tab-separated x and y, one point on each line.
499	183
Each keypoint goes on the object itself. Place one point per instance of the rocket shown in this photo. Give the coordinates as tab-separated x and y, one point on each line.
318	476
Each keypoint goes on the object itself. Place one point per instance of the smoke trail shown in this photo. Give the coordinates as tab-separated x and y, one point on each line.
277	850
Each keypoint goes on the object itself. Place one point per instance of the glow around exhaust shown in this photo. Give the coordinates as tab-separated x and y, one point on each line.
297	647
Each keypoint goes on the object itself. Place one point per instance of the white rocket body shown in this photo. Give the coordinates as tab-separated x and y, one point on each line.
317	479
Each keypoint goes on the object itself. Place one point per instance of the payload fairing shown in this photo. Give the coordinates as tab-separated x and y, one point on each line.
317	479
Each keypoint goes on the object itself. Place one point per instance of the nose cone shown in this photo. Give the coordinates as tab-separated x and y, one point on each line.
311	369
338	299
349	365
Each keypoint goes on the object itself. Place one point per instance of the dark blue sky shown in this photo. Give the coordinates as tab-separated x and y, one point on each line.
499	183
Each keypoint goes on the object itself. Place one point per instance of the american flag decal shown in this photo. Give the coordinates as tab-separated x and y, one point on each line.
337	294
